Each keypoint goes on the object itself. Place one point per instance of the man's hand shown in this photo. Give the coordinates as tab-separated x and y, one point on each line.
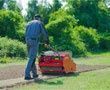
46	45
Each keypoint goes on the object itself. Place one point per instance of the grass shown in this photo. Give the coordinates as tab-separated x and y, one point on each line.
100	54
94	80
95	59
7	61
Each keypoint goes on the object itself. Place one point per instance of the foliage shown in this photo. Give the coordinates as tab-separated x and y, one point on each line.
12	5
56	5
1	4
12	48
105	42
66	35
91	13
5	60
35	8
69	21
75	28
32	9
57	24
61	32
11	24
89	36
44	11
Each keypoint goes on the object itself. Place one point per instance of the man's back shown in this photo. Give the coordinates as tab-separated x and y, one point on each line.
33	29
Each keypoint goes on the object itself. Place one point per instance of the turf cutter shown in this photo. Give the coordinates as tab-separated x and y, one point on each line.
56	62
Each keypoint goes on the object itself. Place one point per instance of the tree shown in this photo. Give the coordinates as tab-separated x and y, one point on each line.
91	13
45	11
60	28
11	24
32	9
12	5
1	4
56	5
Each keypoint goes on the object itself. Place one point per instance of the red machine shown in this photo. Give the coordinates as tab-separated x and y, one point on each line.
56	62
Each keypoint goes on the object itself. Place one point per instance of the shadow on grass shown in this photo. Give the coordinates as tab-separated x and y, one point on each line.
62	74
71	74
57	82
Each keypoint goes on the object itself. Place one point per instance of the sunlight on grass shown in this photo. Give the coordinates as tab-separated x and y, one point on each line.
93	61
103	58
94	80
96	59
7	61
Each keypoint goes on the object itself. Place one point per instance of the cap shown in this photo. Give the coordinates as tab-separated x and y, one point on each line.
37	16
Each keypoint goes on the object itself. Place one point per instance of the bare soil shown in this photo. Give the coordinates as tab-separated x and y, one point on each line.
17	71
11	72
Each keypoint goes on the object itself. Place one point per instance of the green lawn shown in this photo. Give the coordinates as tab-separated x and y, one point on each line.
94	80
6	61
96	59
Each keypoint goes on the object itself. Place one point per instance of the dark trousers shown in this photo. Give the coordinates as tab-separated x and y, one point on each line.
31	66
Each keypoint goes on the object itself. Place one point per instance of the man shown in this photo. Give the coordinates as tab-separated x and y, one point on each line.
34	30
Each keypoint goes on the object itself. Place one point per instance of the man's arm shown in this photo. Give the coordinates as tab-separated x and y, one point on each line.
44	34
26	30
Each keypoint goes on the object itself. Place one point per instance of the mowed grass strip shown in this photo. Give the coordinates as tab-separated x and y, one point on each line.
94	59
7	61
97	59
94	80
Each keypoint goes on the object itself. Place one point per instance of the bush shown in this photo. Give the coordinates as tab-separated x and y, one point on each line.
105	42
5	60
89	36
62	37
12	48
73	42
66	35
60	21
11	24
91	13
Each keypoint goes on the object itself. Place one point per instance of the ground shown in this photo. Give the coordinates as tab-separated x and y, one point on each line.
91	71
17	71
13	71
93	80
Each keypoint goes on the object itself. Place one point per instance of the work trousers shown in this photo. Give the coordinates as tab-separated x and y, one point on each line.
32	48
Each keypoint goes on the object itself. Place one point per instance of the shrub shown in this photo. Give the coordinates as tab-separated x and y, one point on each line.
73	42
62	37
12	48
4	60
91	13
66	35
11	24
59	24
105	42
89	36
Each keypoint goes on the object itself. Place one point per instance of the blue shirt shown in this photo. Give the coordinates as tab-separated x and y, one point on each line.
35	29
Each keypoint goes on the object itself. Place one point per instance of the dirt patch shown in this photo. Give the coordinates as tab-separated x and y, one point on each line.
86	68
11	72
17	71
